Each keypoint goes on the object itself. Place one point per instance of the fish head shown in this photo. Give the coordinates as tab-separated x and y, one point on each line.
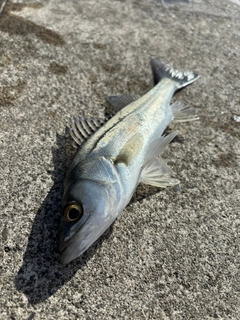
90	204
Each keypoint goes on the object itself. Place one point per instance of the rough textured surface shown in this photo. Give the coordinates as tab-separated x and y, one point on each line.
172	254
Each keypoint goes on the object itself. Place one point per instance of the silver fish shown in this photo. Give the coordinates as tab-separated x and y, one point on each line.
123	152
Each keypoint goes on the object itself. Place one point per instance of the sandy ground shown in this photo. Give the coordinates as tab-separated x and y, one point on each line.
173	253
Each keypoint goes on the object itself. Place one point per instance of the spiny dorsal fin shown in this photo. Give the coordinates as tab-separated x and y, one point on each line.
81	128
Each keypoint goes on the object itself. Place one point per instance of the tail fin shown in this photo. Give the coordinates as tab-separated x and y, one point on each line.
161	70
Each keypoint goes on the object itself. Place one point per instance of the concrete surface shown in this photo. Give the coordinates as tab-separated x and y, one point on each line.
172	254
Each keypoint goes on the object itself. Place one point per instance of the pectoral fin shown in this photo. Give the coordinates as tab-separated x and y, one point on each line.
129	150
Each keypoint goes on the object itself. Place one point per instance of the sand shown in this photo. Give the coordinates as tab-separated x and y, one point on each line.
172	253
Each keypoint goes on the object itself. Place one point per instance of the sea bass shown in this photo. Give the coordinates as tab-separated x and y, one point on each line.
119	155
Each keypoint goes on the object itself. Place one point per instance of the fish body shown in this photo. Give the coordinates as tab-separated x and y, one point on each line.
116	158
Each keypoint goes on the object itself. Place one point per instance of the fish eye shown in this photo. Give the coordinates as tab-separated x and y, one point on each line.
72	212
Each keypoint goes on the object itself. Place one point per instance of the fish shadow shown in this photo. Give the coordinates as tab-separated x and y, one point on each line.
41	274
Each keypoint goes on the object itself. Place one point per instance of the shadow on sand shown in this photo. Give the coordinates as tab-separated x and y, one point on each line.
41	274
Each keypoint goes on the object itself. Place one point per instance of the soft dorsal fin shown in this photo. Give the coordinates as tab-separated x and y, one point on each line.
81	128
119	102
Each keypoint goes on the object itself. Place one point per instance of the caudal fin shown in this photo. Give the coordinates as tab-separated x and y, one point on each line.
161	70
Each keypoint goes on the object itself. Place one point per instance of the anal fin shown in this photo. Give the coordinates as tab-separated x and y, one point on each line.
182	113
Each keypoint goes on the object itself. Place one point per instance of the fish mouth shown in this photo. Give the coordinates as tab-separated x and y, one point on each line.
72	248
93	227
68	250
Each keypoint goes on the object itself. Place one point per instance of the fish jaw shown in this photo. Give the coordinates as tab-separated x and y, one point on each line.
101	208
92	229
100	201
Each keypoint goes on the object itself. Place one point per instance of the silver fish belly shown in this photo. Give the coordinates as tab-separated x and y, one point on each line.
111	163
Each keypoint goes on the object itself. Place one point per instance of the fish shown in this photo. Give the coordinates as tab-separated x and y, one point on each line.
114	157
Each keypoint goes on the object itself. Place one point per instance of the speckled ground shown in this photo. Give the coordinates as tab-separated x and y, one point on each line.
172	254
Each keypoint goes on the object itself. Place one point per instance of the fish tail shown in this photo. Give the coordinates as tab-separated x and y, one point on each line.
181	78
